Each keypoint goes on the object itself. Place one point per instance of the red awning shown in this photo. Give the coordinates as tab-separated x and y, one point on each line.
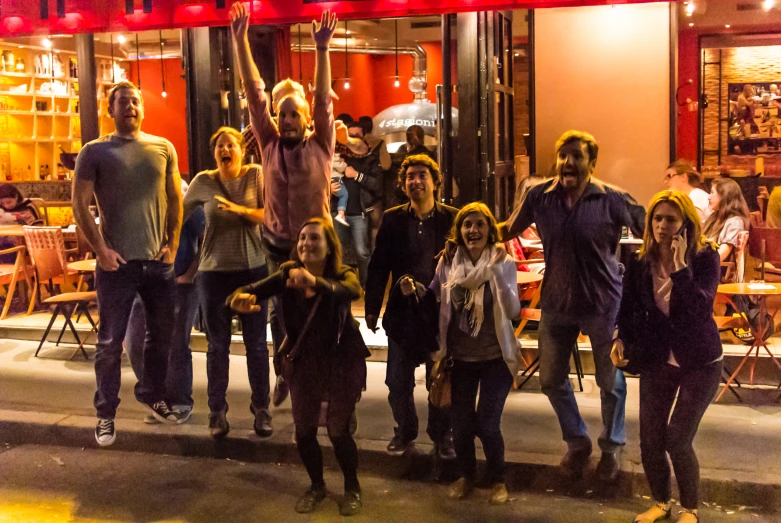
23	17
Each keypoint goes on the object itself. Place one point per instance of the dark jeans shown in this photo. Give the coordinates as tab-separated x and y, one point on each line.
558	334
275	318
214	288
153	282
179	378
660	437
357	236
495	381
400	379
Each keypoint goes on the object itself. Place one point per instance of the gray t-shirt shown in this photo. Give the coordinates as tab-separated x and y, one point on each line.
231	242
729	233
130	178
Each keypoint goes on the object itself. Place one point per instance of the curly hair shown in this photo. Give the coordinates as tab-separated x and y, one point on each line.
420	160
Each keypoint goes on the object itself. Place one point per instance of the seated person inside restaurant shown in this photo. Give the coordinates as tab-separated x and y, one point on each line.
682	176
729	218
15	209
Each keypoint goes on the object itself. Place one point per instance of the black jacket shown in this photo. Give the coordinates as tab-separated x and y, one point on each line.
391	256
368	185
689	332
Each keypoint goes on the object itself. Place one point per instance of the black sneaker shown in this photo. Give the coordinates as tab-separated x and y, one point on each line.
218	424
398	446
162	412
105	434
262	423
351	505
310	500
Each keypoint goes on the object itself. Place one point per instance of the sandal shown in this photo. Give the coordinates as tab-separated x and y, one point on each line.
691	512
645	517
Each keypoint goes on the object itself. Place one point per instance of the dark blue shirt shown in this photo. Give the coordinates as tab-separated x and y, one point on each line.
189	241
582	275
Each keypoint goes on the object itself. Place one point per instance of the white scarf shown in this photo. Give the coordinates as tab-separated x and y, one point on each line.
472	278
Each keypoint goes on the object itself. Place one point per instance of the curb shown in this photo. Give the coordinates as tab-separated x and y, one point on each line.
524	471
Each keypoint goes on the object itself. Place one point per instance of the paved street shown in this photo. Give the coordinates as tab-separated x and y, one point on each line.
44	484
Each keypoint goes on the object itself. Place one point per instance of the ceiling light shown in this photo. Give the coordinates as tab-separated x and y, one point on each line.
47	43
121	39
165	94
727	26
346	84
768	4
21	47
396	83
689	9
348	31
517	54
691	24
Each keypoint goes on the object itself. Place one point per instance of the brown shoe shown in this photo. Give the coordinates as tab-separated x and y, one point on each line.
575	460
460	489
218	424
498	494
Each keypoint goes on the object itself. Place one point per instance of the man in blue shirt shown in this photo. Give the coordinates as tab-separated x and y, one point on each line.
179	378
579	220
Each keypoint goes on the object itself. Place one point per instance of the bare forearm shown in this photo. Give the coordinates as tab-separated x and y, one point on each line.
323	72
88	227
247	68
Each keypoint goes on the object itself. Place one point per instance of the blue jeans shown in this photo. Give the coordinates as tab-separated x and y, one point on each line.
341	198
357	235
179	378
154	282
558	334
495	381
214	288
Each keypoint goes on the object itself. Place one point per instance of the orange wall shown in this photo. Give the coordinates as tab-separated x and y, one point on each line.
372	79
166	117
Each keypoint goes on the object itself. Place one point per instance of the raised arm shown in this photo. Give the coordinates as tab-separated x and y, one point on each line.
322	116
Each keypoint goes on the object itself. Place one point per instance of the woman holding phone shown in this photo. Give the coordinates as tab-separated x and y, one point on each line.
667	334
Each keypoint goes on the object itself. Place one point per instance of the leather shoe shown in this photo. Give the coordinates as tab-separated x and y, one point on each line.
445	449
608	467
460	489
309	501
262	423
575	460
218	424
351	505
498	494
281	390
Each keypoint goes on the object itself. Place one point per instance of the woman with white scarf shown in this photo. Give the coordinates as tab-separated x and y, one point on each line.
478	297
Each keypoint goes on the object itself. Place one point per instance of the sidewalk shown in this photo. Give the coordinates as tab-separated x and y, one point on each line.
49	400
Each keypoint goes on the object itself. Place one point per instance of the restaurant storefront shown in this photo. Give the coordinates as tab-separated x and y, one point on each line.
499	82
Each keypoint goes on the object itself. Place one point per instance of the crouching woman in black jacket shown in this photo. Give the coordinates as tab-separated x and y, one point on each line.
325	355
667	334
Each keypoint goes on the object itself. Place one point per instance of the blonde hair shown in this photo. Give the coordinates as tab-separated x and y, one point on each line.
284	89
691	224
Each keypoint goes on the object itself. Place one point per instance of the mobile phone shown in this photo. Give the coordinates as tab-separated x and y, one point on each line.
681	230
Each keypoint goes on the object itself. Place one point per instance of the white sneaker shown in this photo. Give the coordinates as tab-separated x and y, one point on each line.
341	219
105	434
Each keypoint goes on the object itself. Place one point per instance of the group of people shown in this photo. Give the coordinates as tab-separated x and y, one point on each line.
260	241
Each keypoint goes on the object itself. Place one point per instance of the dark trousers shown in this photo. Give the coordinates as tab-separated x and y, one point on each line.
660	437
214	288
153	281
558	334
400	379
494	380
275	318
179	378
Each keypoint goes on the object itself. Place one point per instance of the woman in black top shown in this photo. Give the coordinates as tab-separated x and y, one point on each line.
667	334
328	362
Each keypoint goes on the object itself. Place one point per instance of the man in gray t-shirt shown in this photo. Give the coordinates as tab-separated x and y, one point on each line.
135	179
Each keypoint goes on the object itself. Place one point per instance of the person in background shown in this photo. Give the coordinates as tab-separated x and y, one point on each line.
379	150
410	237
179	378
729	216
232	199
580	291
363	183
327	355
682	176
773	218
296	160
135	179
478	296
16	209
667	334
415	143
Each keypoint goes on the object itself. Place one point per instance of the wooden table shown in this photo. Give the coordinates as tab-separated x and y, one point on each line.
83	265
761	291
527	278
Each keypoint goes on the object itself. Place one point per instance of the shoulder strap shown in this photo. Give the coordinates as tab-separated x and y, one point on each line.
293	351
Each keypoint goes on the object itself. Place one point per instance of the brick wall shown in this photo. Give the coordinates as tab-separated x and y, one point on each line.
520	101
738	65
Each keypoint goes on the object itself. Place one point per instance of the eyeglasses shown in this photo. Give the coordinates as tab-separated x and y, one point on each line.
670	176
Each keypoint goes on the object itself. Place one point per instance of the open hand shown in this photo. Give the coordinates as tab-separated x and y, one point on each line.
342	135
239	21
227	205
324	31
244	303
617	354
679	246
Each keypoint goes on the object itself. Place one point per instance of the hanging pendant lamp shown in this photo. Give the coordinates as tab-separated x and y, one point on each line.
396	31
346	63
162	64
138	64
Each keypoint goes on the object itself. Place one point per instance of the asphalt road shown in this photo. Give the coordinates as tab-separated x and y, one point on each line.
42	484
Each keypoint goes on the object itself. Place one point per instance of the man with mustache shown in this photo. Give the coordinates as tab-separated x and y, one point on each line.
135	178
409	238
296	160
579	220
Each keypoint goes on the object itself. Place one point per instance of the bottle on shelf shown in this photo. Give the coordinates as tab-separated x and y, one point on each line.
42	172
60	172
30	176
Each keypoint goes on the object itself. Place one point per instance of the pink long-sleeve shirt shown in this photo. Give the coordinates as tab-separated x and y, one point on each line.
296	180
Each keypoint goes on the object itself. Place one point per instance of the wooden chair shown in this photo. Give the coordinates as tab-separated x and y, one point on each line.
50	264
9	275
43	211
764	245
